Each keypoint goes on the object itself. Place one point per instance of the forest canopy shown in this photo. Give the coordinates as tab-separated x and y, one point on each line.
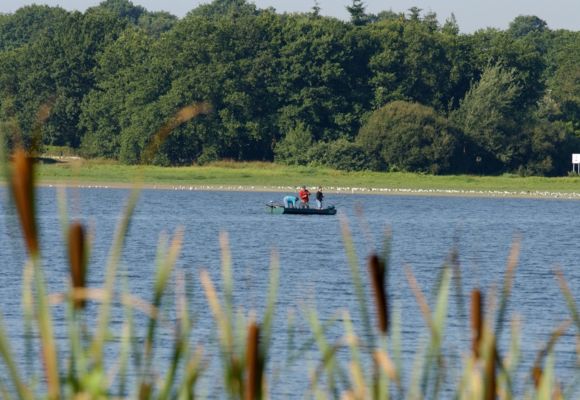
386	91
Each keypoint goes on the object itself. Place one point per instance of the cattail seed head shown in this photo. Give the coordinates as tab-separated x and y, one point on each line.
490	373
77	259
145	391
476	320
377	273
537	375
22	186
253	363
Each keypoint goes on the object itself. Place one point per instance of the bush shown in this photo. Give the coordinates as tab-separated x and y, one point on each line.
295	146
340	154
408	137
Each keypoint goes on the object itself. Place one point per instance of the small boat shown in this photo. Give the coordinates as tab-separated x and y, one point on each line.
276	208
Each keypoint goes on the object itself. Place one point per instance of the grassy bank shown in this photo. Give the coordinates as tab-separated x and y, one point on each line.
271	176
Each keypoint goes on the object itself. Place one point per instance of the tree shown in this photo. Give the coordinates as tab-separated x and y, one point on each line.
122	9
323	77
411	63
125	82
563	82
339	154
408	137
451	27
316	9
524	25
524	56
357	13
490	116
55	70
550	145
225	8
295	147
28	24
156	23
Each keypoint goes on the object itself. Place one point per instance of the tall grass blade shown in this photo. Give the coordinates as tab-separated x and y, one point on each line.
127	333
110	278
490	366
546	383
570	302
356	278
44	318
397	347
228	281
10	363
513	259
166	262
356	367
4	393
190	376
266	331
328	352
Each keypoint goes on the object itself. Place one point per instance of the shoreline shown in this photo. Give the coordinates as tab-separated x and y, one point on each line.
329	189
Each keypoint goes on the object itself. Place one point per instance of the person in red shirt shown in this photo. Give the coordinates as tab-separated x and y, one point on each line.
304	195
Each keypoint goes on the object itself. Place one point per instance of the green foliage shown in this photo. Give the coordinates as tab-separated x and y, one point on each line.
524	57
491	118
340	154
404	136
357	13
563	79
524	25
551	146
323	77
412	63
294	149
28	24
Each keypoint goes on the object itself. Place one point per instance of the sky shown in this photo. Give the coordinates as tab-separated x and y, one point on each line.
471	15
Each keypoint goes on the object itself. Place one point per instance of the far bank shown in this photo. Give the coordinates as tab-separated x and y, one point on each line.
274	177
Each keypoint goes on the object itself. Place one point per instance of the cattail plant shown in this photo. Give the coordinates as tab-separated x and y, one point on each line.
476	321
242	370
253	364
78	262
22	187
377	273
490	389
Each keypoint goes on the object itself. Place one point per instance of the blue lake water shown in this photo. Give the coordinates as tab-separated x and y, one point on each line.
314	268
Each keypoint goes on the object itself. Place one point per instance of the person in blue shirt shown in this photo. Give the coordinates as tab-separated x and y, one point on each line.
290	201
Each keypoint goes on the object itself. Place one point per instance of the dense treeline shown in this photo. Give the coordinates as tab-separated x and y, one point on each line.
387	92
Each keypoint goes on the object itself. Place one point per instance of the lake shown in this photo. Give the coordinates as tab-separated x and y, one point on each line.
314	268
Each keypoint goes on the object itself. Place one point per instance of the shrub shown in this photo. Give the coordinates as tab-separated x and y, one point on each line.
408	137
339	154
295	146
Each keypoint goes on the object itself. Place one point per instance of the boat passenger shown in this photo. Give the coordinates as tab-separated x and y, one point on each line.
290	201
319	197
304	195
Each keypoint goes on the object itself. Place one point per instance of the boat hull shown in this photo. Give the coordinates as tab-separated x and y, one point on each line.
301	211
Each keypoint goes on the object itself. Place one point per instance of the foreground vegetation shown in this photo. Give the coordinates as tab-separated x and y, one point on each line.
365	363
269	176
388	92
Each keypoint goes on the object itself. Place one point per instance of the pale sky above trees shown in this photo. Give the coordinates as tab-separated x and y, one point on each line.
471	15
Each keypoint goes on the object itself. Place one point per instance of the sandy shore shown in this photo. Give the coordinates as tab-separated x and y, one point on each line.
335	190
